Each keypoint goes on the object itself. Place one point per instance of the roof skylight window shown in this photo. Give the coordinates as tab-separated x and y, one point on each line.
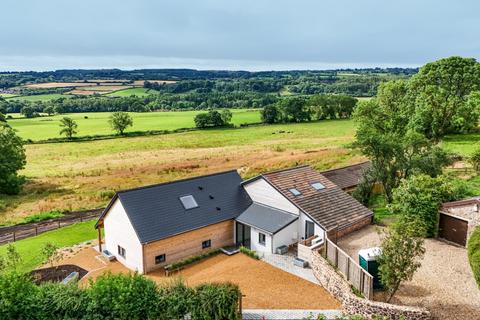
295	192
318	186
188	202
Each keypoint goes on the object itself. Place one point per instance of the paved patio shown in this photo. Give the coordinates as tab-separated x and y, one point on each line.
255	314
285	263
264	286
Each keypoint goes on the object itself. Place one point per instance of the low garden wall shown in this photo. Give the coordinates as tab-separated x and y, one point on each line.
354	305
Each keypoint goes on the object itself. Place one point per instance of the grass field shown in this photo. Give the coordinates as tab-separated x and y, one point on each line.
97	123
83	175
7	95
139	92
30	248
42	97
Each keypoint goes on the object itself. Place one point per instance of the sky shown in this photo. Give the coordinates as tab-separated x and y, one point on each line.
234	34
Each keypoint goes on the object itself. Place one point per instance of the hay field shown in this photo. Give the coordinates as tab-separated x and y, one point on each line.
85	174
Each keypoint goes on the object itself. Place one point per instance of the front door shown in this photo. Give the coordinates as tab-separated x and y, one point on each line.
309	229
242	235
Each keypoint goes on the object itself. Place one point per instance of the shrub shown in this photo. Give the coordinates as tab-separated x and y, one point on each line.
216	301
122	297
106	194
418	198
250	253
18	297
474	160
182	263
43	216
473	248
62	301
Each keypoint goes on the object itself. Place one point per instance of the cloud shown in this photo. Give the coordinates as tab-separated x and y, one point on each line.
248	34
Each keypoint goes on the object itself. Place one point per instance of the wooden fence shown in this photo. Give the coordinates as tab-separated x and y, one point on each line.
355	275
19	232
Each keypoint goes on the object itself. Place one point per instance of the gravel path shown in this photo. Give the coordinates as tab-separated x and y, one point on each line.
444	283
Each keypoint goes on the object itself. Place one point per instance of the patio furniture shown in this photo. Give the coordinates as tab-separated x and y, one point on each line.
107	254
71	277
300	263
282	250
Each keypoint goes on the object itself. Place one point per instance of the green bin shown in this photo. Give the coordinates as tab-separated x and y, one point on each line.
368	261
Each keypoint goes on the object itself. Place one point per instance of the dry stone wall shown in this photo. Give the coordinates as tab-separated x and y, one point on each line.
353	305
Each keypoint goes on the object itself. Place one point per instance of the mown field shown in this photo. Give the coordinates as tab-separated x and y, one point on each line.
94	123
84	175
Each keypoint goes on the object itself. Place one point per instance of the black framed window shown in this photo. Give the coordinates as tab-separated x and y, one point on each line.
121	252
206	244
262	238
160	258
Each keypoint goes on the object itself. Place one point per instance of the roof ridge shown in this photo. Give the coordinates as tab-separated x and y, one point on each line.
345	167
176	181
278	209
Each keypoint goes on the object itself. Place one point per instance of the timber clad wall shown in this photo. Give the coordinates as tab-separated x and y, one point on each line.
188	244
334	235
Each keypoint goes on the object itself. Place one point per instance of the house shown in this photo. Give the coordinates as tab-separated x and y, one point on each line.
150	227
458	219
347	178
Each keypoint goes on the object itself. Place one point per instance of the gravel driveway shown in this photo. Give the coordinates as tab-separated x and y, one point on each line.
444	283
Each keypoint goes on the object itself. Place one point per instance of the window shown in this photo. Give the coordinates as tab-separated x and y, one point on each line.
188	202
160	259
121	252
295	192
318	186
206	244
262	238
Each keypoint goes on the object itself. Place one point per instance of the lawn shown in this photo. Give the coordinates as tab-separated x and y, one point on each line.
30	248
94	123
139	92
463	144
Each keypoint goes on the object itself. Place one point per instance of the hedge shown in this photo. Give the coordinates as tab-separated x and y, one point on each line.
183	263
474	253
118	296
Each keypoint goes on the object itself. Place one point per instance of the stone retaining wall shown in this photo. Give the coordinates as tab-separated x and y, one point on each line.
353	305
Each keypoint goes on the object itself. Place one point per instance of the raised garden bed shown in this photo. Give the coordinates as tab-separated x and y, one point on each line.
177	266
56	274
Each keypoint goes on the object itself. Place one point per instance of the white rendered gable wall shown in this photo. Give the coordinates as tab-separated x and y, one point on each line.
262	192
119	232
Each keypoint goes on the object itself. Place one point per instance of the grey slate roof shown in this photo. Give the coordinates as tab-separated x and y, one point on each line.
266	218
156	212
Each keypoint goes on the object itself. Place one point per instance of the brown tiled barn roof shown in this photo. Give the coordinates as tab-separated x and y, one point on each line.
331	207
347	177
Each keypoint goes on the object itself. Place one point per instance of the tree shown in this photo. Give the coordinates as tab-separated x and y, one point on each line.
419	198
226	116
270	114
212	118
28	112
12	159
473	248
402	250
441	92
69	127
51	253
383	135
294	110
11	261
49	110
119	121
474	160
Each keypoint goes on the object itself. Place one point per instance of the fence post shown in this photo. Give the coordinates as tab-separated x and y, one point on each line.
36	231
348	268
58	224
336	257
14	238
